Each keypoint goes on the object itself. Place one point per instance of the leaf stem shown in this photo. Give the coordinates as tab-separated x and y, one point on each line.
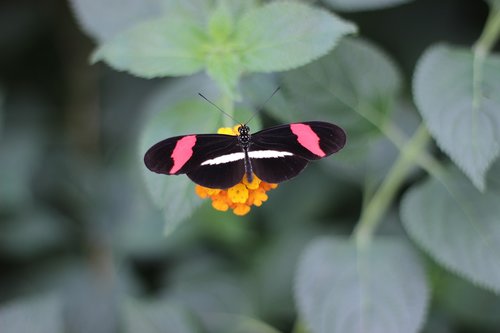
376	207
490	32
480	51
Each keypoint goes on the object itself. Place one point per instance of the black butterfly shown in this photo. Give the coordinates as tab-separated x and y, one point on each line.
220	161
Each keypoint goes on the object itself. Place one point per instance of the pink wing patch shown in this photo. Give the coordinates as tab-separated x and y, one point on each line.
182	152
307	138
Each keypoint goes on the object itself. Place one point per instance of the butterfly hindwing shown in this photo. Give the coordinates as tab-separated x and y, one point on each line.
277	170
220	176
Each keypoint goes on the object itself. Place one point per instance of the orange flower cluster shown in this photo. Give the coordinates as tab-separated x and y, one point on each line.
241	196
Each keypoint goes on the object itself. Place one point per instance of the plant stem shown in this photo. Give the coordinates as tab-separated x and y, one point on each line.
490	32
480	50
383	197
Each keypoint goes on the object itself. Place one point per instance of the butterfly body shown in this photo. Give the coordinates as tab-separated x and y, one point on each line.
274	154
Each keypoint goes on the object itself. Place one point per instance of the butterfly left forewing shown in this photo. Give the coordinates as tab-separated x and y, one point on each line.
211	160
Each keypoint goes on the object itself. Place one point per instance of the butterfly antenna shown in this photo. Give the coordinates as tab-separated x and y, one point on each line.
218	108
262	106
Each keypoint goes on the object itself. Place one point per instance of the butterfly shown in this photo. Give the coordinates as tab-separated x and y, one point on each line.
220	161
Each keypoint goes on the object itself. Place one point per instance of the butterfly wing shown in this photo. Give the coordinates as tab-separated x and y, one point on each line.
277	170
282	152
210	160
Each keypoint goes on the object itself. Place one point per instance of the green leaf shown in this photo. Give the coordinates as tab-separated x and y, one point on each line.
157	317
235	37
355	86
284	35
358	160
161	47
362	5
222	52
224	67
221	23
381	289
104	19
465	125
41	315
457	225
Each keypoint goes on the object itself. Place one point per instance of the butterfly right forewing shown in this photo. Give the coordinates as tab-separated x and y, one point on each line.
280	153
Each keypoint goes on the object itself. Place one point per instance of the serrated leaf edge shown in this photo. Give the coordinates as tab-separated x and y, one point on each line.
421	244
478	181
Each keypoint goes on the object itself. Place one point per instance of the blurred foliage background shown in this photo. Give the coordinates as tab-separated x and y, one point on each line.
83	247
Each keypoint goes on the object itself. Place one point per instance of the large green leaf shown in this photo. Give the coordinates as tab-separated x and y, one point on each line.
222	53
359	5
104	19
355	86
355	82
379	289
41	315
460	107
359	161
458	225
232	38
284	35
161	47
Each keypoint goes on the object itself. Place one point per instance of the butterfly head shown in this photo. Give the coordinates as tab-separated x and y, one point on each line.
244	129
244	134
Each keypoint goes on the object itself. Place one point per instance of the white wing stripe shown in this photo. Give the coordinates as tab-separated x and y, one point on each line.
268	154
225	159
233	157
